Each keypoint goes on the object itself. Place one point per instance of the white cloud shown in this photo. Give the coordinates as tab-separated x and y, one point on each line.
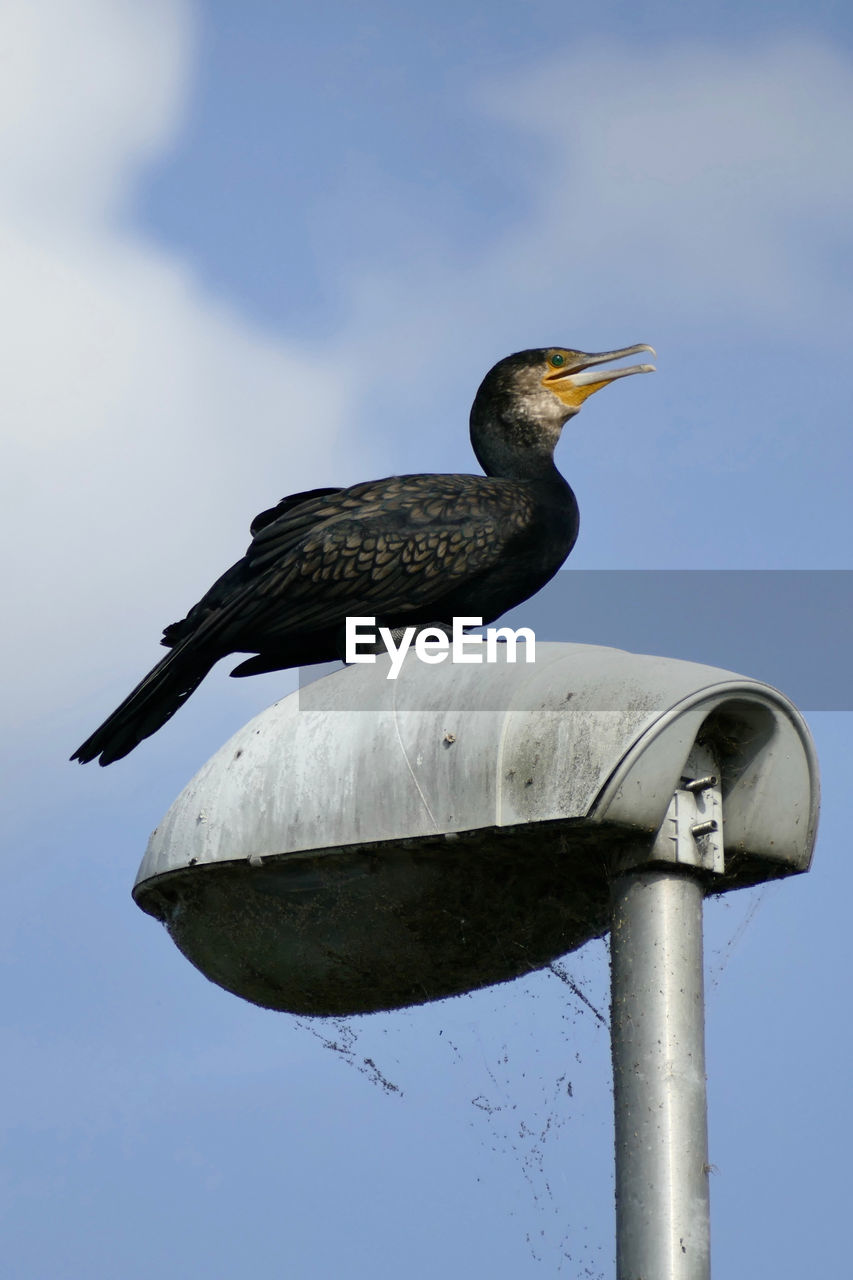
145	421
88	90
705	177
692	186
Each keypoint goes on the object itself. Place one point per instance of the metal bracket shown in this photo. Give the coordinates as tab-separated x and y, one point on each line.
691	834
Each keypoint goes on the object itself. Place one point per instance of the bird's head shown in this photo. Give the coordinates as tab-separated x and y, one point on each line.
526	399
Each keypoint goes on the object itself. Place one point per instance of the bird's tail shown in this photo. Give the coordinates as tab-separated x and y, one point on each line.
154	701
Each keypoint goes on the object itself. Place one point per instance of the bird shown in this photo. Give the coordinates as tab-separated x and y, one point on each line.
407	550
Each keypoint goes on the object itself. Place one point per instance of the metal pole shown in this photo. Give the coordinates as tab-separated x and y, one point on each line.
658	1045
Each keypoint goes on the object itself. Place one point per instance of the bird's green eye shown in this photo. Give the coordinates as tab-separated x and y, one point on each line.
557	360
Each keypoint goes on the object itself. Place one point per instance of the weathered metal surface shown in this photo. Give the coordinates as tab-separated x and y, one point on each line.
658	1042
657	1032
369	843
586	732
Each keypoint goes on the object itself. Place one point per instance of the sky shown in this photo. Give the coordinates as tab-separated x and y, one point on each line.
249	249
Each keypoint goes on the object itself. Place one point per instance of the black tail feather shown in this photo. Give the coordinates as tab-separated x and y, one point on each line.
154	701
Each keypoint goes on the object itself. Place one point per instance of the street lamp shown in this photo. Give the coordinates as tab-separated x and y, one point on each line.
369	843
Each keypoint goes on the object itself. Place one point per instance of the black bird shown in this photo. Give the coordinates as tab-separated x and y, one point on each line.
406	550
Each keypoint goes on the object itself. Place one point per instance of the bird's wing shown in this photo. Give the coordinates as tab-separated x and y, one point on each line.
286	506
292	517
387	547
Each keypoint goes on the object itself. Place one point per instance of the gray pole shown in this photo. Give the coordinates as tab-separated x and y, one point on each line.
658	1044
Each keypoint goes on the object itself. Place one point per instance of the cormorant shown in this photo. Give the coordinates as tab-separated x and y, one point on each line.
407	550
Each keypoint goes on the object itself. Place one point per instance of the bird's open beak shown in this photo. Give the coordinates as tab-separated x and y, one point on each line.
580	376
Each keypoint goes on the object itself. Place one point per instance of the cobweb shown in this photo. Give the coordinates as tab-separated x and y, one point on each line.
526	1066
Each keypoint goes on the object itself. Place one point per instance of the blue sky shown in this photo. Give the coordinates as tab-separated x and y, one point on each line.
251	249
